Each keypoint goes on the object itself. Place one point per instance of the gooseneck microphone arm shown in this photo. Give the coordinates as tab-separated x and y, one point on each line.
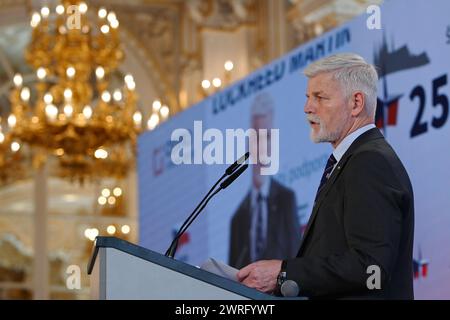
234	168
173	247
171	250
223	185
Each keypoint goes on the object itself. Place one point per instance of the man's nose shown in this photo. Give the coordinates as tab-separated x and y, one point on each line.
308	108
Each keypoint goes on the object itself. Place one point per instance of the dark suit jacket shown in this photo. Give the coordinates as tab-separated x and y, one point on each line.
283	231
364	215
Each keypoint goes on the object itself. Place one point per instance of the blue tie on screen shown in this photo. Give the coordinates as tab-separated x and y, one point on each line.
326	173
259	238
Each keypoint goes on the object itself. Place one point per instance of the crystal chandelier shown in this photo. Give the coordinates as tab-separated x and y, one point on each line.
11	159
75	110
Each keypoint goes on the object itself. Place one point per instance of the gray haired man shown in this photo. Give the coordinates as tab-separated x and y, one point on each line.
363	214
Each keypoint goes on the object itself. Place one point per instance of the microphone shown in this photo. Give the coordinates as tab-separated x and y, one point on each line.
170	252
289	288
237	163
233	177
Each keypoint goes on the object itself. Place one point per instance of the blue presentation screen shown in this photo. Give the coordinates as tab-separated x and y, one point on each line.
414	90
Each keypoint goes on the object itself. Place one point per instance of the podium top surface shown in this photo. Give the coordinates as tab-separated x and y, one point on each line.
178	266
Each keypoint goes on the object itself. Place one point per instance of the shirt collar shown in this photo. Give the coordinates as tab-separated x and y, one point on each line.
348	140
264	190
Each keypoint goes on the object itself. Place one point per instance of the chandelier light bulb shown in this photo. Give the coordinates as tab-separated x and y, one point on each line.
153	121
70	72
131	85
129	82
106	96
35	19
68	94
25	94
164	111
18	80
59	9
117	95
111	229
128	78
87	112
51	111
111	17
48	98
101	200
111	200
206	84
101	153
99	72
41	73
156	105
106	192
217	82
91	233
12	121
114	24
2	137
102	13
68	110
137	118
15	146
45	11
104	29
117	192
94	234
125	229
82	7
228	65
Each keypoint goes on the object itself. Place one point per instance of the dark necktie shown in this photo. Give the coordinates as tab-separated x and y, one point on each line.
326	173
259	237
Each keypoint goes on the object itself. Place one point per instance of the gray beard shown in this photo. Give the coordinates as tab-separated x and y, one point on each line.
323	136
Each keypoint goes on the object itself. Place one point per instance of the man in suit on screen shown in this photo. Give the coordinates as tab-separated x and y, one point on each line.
265	225
363	215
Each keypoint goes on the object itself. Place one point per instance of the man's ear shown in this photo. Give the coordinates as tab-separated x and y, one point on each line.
357	103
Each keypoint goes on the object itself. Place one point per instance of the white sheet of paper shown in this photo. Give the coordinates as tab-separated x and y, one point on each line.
220	268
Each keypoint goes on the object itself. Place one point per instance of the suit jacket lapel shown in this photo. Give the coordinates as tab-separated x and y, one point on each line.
366	136
322	195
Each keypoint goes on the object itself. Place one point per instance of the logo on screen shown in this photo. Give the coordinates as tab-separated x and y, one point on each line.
389	61
161	160
184	240
420	266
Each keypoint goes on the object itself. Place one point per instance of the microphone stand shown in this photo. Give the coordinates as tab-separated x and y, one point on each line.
173	246
236	172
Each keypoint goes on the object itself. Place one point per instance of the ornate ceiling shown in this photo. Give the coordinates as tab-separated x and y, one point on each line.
163	38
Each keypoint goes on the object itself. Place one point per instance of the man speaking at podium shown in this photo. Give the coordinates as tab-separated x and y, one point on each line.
362	223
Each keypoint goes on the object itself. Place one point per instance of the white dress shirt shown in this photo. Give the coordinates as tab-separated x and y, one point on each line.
348	140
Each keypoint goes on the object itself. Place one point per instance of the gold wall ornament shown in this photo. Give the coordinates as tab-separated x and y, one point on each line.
72	110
